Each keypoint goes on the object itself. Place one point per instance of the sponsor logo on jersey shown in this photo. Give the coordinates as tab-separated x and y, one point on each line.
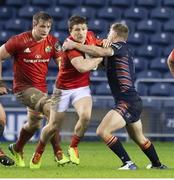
48	49
35	60
27	50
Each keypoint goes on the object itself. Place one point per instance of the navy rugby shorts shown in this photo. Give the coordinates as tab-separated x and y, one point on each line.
130	111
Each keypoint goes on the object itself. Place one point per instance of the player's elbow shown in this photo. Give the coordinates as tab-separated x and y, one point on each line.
82	69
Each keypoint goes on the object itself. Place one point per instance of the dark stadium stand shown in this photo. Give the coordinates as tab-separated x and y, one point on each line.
16	3
152	104
43	3
169	26
136	13
159	64
58	13
96	3
143	89
160	89
87	12
148	51
17	25
149	26
27	11
161	13
121	3
149	74
140	64
169	3
6	12
68	3
109	13
137	38
98	25
147	3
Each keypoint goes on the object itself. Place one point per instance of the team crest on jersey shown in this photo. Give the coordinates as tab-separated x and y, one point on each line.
48	49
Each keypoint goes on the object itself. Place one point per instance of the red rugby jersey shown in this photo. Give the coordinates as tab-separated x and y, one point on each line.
31	60
69	77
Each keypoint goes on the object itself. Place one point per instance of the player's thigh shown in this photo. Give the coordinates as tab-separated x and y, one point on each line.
82	101
32	98
56	119
112	121
83	106
2	115
60	100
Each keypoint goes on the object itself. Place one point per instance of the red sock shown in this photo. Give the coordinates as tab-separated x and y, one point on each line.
24	137
40	147
55	140
75	141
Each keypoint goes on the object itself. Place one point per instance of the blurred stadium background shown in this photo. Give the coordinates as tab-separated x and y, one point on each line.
151	35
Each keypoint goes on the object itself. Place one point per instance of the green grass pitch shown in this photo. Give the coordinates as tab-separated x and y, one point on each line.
97	161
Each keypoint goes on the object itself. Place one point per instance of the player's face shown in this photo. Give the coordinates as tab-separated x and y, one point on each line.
111	35
41	29
79	32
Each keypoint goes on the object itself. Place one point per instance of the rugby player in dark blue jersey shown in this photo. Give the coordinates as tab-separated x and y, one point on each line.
128	104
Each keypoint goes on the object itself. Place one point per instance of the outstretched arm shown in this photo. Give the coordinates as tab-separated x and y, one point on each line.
89	49
83	65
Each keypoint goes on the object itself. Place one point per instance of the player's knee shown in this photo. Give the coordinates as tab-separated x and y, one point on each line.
102	132
52	128
1	129
32	125
31	128
99	132
85	118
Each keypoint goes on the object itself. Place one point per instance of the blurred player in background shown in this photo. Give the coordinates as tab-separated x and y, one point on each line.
32	51
4	159
128	104
71	87
170	62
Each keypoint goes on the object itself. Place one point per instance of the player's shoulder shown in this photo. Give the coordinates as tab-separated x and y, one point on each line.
90	35
22	36
119	45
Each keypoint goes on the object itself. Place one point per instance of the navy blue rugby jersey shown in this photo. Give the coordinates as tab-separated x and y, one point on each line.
121	73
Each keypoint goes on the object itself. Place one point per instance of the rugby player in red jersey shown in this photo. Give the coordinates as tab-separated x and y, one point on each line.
32	51
128	104
71	87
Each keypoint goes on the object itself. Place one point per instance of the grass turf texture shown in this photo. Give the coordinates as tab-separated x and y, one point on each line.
97	161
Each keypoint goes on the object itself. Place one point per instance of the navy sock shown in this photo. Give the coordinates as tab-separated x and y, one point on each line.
151	153
115	145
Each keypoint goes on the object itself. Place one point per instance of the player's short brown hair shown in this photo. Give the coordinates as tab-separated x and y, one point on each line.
73	20
41	15
121	29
